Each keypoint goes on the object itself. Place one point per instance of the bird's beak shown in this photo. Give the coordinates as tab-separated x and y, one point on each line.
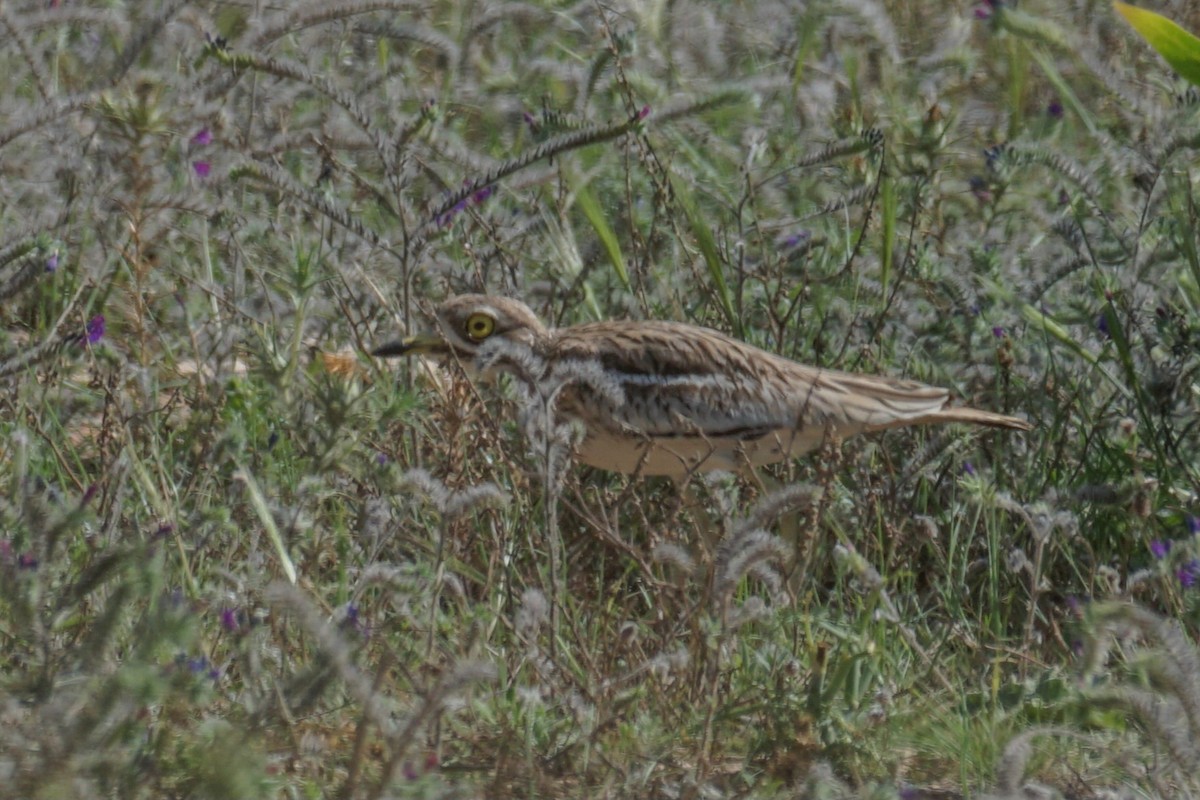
420	344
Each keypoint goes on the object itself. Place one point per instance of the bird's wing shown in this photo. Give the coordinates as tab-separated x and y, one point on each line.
680	379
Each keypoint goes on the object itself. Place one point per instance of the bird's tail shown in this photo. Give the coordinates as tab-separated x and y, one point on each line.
973	416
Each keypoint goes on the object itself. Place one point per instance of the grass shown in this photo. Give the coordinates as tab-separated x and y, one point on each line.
240	558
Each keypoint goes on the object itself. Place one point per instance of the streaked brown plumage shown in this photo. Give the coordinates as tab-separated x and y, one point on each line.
671	398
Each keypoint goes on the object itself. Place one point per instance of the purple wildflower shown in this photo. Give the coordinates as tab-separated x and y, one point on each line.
1188	574
1193	524
1159	548
795	240
229	620
1102	326
52	262
645	112
95	329
353	622
998	331
92	333
968	469
382	459
27	561
483	194
1055	110
446	218
203	137
202	168
987	9
979	188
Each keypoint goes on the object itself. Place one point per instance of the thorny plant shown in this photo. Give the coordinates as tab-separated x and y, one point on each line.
1159	683
76	696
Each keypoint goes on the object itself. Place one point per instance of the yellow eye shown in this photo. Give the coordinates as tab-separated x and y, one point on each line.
479	327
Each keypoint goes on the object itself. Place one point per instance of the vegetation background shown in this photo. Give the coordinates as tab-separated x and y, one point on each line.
239	558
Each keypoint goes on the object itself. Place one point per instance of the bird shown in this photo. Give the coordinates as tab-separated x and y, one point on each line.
675	399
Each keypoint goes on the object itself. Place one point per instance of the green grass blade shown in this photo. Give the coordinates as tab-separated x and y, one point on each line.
708	249
264	515
888	204
1057	331
591	209
1063	88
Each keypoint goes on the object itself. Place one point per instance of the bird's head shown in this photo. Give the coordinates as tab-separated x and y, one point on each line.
468	322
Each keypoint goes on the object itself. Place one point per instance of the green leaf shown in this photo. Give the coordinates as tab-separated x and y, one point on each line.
1056	331
708	248
888	203
259	502
1063	87
591	209
1179	48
